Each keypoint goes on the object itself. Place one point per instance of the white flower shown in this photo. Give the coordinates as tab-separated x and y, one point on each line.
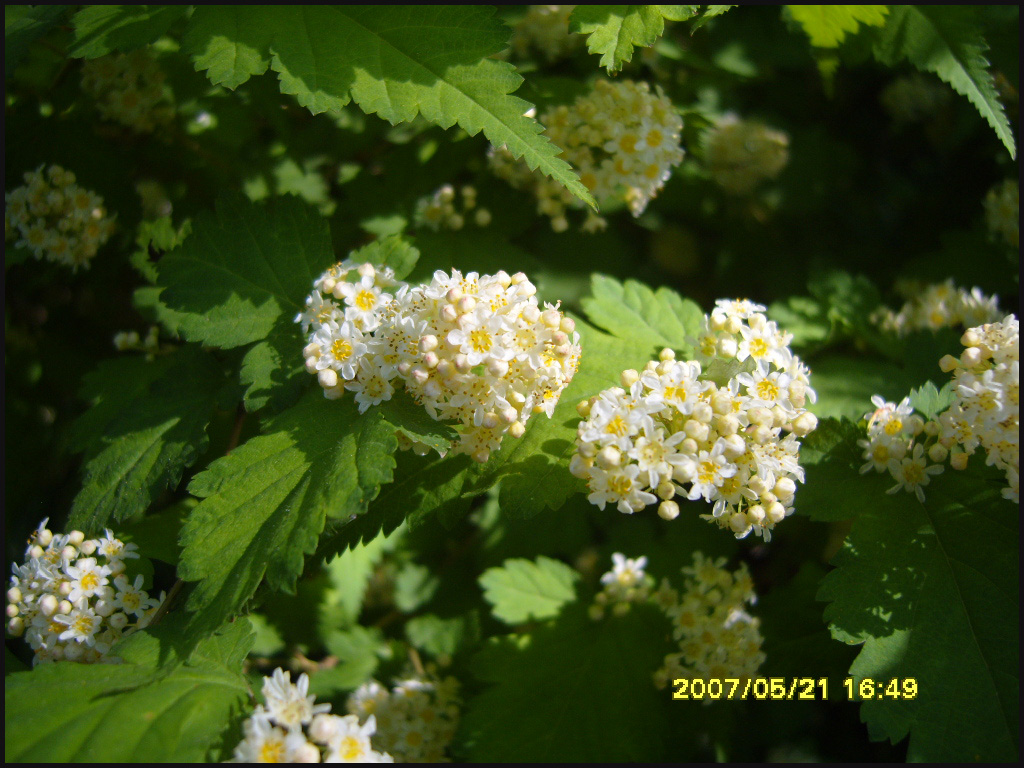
287	702
340	349
87	576
82	624
912	472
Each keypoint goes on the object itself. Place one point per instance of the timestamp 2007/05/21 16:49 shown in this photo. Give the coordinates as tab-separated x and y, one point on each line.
789	689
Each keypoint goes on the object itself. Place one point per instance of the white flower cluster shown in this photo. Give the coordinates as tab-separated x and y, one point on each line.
442	211
941	305
125	341
291	728
545	30
898	443
474	349
56	219
1002	211
129	88
70	605
625	583
740	154
915	98
416	719
672	425
986	411
623	140
717	637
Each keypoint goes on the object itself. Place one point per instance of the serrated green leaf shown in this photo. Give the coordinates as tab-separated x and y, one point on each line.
615	30
357	651
443	637
521	589
244	269
394	61
149	705
710	12
392	251
349	574
648	319
103	29
932	592
272	370
945	39
573	691
23	25
834	488
930	401
264	505
406	415
828	25
150	441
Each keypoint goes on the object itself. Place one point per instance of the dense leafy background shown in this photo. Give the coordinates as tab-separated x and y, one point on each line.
303	537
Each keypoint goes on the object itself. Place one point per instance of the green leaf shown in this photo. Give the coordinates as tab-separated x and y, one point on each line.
392	251
932	592
149	441
710	12
103	29
272	370
264	505
244	269
129	712
520	589
394	61
615	30
573	691
930	401
357	651
648	319
406	415
443	637
349	574
23	25
828	25
833	488
946	40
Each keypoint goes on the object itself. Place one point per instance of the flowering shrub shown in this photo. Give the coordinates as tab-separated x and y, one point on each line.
388	422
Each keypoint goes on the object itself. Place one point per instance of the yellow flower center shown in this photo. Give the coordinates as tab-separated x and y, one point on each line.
616	426
655	138
628	143
272	751
758	348
351	749
341	349
90	580
767	390
481	340
893	427
707	472
365	300
620	484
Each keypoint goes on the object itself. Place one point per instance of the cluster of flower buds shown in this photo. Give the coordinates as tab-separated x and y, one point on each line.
129	341
289	727
445	210
56	219
544	30
477	350
623	140
986	410
717	637
673	425
624	584
416	719
740	154
1002	211
942	305
915	98
72	599
130	89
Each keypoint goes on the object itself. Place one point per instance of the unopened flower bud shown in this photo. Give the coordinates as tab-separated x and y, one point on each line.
517	429
948	363
668	510
958	460
76	538
666	354
608	457
629	377
428	343
726	347
804	424
328	378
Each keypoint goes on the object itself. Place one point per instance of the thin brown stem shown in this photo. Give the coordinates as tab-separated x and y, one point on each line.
166	604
